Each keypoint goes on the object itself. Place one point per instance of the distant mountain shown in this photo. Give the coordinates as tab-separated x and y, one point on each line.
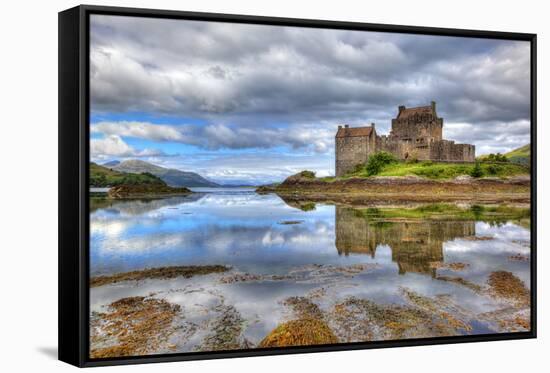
170	176
111	163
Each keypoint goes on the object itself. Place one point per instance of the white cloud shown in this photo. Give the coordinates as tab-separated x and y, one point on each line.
491	138
111	145
143	130
114	146
295	75
318	138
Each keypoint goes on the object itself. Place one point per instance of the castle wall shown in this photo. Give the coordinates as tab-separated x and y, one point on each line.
419	126
404	149
352	151
383	143
443	150
446	150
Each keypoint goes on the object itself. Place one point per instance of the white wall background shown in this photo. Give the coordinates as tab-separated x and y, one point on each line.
28	185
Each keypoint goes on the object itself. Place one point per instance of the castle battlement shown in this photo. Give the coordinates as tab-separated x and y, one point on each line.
416	133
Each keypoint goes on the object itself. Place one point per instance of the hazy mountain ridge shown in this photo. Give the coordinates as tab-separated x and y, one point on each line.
170	176
111	163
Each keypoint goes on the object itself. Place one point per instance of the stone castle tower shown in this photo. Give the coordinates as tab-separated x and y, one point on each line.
416	133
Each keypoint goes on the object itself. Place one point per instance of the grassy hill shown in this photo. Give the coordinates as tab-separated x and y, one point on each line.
520	155
101	176
434	170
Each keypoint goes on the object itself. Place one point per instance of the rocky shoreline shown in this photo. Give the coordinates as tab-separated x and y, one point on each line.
404	188
151	323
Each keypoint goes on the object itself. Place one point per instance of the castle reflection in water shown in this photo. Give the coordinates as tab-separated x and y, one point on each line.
414	244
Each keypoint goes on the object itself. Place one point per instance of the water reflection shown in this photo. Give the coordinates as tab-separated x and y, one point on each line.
335	256
250	233
140	206
414	244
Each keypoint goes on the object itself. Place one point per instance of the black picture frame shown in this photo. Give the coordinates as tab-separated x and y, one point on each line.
73	250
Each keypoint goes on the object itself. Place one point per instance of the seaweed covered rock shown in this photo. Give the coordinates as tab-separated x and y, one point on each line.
301	332
506	285
133	326
157	273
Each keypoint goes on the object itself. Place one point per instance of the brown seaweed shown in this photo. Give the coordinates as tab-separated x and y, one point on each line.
157	273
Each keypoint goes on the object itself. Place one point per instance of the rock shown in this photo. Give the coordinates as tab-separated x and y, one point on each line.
463	178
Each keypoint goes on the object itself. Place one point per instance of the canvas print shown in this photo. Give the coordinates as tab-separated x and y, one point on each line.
259	186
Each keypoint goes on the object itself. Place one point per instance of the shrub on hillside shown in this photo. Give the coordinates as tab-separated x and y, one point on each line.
142	178
378	161
493	169
99	180
476	171
496	158
307	174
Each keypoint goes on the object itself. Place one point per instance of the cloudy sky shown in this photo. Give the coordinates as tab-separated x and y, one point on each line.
254	103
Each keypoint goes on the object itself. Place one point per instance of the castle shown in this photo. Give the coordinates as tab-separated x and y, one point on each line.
416	133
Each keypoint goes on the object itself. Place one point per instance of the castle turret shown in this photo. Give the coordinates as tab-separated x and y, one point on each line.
353	147
433	109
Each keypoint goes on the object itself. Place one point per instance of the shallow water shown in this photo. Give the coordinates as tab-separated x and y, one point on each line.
304	250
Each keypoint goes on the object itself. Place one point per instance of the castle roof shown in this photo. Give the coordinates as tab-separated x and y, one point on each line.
409	112
354	131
